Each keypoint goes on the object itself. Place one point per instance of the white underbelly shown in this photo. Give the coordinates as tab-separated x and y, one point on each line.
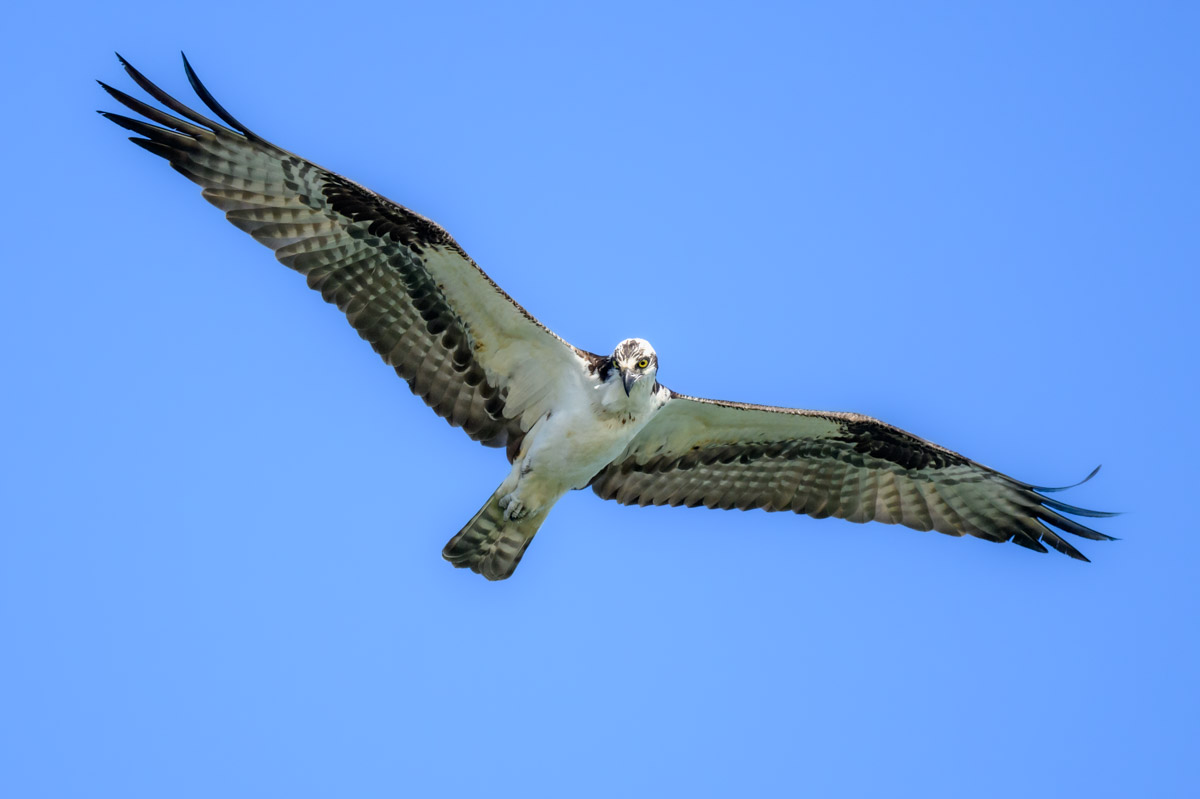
570	449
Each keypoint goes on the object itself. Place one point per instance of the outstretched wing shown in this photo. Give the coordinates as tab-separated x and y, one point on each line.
730	455
465	347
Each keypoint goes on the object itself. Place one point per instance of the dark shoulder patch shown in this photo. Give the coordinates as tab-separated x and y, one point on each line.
599	365
384	217
882	441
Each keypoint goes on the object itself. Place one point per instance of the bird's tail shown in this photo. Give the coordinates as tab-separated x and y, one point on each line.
490	544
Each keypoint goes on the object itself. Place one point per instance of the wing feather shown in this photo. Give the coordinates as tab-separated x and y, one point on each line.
727	455
464	346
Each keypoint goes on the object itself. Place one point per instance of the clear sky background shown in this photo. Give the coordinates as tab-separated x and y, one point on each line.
222	516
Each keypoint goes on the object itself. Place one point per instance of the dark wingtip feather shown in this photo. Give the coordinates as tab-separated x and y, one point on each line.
170	102
1059	545
154	114
175	143
1078	511
136	125
158	149
1049	515
204	94
1027	541
1072	526
1053	489
116	94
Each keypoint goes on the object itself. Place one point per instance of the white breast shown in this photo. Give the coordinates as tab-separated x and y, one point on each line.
580	438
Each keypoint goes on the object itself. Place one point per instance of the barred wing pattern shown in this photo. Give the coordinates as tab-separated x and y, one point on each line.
464	346
731	455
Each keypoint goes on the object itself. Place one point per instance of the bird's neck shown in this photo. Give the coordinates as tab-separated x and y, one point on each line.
641	402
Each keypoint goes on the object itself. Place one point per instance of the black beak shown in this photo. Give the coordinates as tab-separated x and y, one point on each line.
628	380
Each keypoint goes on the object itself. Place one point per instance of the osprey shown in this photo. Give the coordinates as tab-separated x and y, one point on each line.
567	418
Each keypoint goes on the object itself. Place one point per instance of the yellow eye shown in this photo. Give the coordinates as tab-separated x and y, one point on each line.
643	363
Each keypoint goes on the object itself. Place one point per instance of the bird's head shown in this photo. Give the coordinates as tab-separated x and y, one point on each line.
634	361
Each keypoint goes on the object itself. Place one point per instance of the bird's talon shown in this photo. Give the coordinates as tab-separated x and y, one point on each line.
514	509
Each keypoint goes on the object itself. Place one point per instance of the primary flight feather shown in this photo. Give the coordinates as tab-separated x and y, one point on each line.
567	418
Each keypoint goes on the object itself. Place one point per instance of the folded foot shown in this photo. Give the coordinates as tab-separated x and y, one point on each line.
513	508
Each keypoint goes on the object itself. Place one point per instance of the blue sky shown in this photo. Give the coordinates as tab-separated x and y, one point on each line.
220	571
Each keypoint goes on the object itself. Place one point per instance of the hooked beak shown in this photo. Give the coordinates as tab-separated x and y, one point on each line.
628	380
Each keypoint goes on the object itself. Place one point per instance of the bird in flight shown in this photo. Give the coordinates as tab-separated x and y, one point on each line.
567	418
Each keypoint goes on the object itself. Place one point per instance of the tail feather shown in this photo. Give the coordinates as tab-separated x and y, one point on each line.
491	545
